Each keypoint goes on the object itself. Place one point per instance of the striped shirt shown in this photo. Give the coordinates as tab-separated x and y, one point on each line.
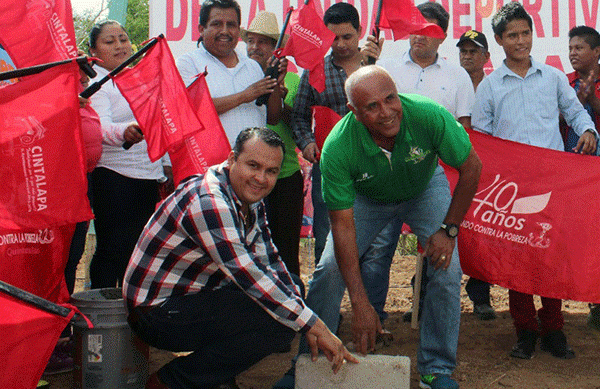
333	97
526	109
196	241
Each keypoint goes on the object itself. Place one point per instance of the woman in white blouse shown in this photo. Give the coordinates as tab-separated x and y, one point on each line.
125	182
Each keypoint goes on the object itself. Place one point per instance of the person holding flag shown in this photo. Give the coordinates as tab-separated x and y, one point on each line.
125	182
285	203
346	57
500	110
584	54
234	80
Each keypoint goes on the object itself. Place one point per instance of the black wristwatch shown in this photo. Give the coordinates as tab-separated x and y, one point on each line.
451	230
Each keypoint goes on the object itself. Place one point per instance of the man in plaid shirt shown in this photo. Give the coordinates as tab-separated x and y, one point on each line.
206	277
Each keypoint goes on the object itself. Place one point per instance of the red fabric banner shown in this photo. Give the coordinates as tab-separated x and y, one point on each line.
533	225
324	118
159	101
42	163
28	339
309	42
35	32
34	260
205	148
404	19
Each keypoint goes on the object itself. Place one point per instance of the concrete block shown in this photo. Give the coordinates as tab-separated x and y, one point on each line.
373	371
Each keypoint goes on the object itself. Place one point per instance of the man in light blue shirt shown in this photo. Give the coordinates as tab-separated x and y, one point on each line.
521	101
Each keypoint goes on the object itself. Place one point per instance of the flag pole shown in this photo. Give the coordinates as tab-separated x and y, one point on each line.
81	61
95	87
414	319
372	60
273	70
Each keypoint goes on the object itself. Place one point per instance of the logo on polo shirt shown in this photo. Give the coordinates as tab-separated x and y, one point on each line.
416	155
364	177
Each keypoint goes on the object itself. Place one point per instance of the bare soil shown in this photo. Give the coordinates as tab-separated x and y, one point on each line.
483	350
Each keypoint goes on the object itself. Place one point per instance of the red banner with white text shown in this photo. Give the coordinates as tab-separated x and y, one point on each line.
533	225
36	32
42	165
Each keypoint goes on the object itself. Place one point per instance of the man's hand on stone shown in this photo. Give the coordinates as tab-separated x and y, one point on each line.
319	337
365	327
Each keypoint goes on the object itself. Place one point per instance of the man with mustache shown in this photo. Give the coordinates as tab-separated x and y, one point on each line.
234	80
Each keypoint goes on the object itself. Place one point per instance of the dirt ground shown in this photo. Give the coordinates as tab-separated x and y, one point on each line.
482	351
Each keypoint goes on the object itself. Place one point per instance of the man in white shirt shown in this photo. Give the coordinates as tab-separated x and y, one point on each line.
234	80
422	71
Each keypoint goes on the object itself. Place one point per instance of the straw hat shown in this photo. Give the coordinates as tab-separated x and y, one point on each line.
264	23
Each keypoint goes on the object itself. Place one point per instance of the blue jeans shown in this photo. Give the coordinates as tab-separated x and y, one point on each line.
441	310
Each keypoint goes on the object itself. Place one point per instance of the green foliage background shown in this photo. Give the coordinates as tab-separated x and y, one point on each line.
137	22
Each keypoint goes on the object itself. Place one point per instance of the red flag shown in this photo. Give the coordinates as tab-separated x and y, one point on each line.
533	224
34	260
403	18
37	31
42	164
28	339
205	148
159	101
324	118
309	42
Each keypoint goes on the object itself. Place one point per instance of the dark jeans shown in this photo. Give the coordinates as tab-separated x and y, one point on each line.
284	213
320	225
226	330
478	291
122	207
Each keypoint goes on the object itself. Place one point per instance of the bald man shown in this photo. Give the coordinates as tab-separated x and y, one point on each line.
379	166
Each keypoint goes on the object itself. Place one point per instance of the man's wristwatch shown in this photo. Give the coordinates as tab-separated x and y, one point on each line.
451	230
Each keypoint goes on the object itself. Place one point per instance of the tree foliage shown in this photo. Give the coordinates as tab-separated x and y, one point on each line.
137	22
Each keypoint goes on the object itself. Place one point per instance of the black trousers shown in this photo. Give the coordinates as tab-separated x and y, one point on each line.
122	207
226	330
284	214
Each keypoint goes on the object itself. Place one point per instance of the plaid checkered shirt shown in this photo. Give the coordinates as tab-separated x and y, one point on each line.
333	97
197	241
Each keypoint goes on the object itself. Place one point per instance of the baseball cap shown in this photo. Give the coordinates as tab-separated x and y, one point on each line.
473	36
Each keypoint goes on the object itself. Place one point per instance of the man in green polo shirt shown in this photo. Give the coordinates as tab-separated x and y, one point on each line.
380	165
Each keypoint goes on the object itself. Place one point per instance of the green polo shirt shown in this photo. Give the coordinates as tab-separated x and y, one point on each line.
290	158
352	163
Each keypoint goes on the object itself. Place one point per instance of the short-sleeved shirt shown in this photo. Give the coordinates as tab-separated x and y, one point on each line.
223	81
448	84
351	162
